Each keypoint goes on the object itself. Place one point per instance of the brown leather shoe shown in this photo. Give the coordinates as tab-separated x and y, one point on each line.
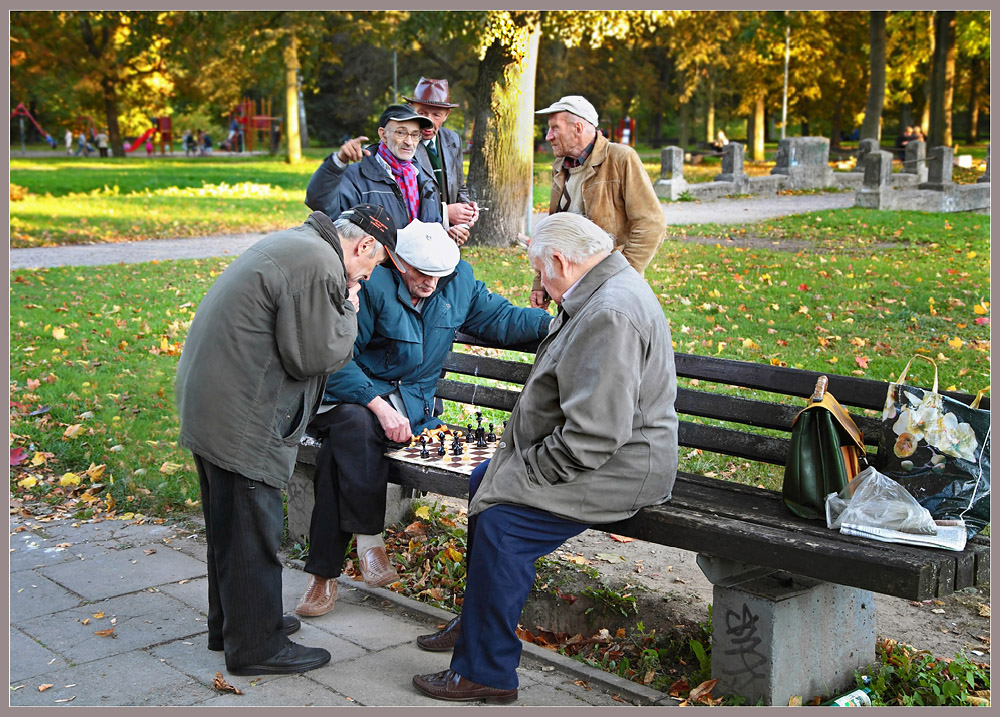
449	685
376	568
319	598
444	639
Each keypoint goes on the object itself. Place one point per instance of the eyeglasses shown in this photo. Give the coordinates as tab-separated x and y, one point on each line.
402	134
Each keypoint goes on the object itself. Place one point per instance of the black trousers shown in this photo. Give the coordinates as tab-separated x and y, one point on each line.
351	477
243	524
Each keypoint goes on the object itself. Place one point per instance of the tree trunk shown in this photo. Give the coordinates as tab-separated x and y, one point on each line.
503	136
685	121
710	111
293	141
115	141
871	127
975	75
759	125
837	119
942	78
925	114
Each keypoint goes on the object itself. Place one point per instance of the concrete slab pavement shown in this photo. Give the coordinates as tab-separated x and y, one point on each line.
70	581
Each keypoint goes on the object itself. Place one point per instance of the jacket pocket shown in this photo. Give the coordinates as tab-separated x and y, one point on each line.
290	422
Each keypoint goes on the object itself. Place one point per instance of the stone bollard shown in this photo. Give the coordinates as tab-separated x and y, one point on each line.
865	147
939	165
986	177
805	161
732	168
671	184
876	188
915	159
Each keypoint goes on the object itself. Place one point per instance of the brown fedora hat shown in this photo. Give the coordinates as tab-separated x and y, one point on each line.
431	92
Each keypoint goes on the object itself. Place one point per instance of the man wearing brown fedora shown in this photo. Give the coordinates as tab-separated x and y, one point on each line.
440	154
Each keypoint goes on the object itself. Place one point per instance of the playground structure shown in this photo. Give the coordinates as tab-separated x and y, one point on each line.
21	112
162	125
257	127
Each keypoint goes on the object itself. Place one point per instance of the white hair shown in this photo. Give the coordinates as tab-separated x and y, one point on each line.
572	235
349	230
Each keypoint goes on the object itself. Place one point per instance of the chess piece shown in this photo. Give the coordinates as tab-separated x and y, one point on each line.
424	453
470	435
456	446
441	447
480	437
491	437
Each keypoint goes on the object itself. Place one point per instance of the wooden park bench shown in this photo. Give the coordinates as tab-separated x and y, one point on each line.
793	611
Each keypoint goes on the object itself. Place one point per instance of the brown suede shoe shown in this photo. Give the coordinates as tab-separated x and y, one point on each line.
376	568
444	639
319	598
449	685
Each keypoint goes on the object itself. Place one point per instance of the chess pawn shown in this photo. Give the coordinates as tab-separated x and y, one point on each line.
470	435
491	437
441	447
423	447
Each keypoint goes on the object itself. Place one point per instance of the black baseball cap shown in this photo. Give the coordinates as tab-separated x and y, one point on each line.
377	222
403	113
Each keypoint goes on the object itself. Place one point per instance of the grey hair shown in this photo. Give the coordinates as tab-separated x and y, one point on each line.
572	235
349	230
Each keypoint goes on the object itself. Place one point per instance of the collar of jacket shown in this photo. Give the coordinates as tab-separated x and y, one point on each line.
591	281
597	155
324	225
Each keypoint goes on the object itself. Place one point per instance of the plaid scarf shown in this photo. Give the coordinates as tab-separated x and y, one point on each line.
405	175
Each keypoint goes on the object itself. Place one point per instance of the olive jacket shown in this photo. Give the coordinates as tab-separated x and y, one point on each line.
271	328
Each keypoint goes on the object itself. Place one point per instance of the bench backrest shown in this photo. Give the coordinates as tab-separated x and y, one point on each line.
752	422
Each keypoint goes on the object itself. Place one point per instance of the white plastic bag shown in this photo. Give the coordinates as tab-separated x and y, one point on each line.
876	501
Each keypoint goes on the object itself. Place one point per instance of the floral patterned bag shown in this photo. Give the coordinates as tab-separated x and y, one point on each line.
938	448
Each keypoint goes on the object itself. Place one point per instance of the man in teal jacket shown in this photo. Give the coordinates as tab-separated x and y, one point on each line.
406	325
272	326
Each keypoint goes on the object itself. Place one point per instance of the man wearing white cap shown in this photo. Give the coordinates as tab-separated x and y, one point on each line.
604	182
406	324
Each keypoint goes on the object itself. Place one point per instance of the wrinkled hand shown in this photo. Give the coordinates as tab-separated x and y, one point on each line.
395	425
539	299
353	150
460	234
463	213
352	295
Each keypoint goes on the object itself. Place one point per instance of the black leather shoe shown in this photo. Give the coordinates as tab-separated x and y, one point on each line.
444	639
451	686
291	658
289	624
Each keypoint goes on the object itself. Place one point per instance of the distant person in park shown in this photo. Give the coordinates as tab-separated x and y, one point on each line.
385	173
721	140
206	144
82	146
604	182
271	328
189	143
440	155
591	440
149	147
102	143
68	139
406	325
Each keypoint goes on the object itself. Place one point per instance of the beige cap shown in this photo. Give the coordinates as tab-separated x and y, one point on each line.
427	247
574	104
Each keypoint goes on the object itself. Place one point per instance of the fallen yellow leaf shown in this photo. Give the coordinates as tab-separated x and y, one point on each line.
73	431
38	459
59	333
956	343
423	512
69	479
28	482
169	468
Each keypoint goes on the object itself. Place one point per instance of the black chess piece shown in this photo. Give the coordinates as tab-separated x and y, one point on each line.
424	453
456	446
470	435
480	437
491	437
441	447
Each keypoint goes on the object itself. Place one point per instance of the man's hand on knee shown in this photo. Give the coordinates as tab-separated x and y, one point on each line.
395	425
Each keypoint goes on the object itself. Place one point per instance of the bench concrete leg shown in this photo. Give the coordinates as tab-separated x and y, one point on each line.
778	635
300	502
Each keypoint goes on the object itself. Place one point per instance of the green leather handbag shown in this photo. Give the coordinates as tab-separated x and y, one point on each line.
827	450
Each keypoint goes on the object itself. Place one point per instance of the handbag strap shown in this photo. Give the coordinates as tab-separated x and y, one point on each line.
823	399
906	369
979	397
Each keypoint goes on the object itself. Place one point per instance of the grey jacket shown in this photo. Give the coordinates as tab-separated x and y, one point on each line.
593	435
333	189
450	145
261	344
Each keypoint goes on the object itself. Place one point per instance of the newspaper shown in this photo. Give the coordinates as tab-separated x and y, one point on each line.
951	535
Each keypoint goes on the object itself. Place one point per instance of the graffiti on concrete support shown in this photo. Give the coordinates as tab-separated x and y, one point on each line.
741	633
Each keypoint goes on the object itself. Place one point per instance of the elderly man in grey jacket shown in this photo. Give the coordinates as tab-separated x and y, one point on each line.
592	439
272	326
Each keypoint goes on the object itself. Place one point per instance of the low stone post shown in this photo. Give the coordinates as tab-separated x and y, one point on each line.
915	159
986	177
876	188
671	183
732	168
939	166
865	147
805	161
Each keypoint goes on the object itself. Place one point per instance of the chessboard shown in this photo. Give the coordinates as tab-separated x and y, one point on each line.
439	448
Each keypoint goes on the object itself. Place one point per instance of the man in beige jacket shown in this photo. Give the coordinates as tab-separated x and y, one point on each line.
604	182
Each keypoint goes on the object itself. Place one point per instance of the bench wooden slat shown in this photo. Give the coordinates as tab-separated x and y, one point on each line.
730	442
474	395
487	367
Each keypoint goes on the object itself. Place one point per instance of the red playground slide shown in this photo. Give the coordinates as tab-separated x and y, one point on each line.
139	142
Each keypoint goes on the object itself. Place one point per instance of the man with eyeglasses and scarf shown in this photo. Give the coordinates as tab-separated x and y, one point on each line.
385	176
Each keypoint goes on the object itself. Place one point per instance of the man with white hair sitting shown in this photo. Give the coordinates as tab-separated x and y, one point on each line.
592	439
406	324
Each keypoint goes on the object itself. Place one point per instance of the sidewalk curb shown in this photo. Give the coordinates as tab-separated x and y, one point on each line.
612	684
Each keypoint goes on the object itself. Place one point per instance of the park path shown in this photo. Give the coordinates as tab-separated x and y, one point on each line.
721	211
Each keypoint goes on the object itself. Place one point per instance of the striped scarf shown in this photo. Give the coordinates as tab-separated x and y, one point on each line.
405	175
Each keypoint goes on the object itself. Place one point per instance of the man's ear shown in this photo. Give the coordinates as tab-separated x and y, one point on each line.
364	245
559	263
381	133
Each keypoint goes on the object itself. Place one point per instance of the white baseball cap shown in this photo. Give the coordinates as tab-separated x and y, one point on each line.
574	104
427	247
